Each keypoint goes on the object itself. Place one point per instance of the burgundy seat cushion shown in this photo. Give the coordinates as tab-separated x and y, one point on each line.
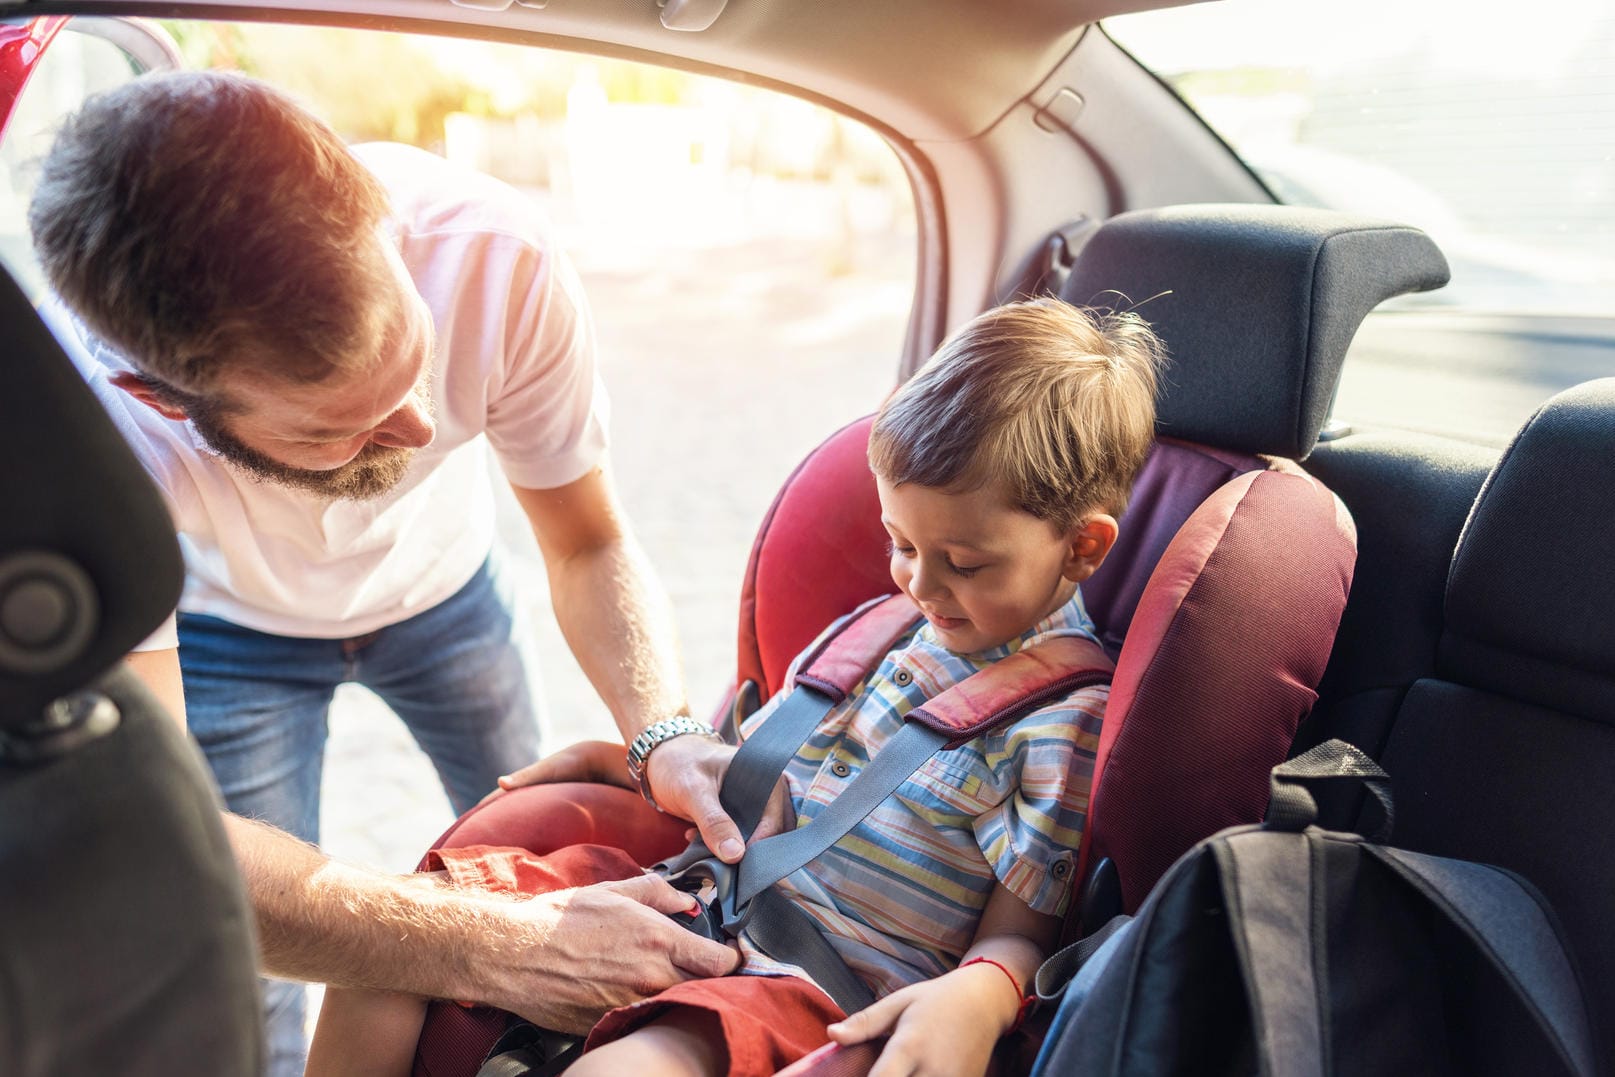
543	818
819	553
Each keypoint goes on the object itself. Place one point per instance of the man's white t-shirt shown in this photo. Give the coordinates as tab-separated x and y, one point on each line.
515	363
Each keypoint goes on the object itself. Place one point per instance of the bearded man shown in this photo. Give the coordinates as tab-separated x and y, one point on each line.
307	346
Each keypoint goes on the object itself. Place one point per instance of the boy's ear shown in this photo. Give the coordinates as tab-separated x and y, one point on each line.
142	390
1091	541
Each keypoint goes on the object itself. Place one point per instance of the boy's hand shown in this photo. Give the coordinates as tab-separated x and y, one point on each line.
945	1026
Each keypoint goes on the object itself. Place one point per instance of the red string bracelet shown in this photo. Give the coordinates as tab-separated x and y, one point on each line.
1026	1000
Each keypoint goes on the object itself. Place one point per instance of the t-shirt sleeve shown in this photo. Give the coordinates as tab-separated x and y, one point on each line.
548	412
165	638
1031	837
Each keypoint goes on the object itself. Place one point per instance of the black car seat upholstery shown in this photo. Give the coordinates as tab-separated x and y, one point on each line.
1410	495
128	943
1505	751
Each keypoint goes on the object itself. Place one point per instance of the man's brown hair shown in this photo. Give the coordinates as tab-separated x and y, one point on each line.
1053	404
205	224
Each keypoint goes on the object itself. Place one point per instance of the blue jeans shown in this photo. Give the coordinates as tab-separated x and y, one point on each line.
257	703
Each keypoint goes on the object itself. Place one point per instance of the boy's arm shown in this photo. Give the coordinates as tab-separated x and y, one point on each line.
950	1024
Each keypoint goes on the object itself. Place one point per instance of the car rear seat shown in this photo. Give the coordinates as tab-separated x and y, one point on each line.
1410	495
1505	751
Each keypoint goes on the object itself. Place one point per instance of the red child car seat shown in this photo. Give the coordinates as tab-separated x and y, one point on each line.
1221	598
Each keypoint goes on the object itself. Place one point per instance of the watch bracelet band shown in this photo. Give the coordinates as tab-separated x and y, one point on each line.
640	748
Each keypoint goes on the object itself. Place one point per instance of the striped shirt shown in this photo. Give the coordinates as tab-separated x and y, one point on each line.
901	894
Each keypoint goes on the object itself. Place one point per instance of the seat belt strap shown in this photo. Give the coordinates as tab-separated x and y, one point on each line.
762	757
786	933
846	655
768	861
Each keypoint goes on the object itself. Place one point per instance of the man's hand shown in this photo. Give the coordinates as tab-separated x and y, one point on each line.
685	775
586	761
561	960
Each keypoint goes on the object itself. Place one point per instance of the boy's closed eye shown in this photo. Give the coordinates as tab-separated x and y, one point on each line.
894	548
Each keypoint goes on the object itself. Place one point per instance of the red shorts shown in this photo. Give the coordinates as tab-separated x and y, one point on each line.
767	1022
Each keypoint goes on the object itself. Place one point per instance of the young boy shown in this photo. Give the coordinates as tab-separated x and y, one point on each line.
1001	468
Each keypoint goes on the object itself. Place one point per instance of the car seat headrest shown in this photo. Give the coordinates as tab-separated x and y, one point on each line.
1257	305
1532	583
89	565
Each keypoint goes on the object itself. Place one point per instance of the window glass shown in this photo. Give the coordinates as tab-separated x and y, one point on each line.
74	66
749	259
1485	124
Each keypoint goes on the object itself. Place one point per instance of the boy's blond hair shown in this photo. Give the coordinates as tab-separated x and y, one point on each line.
1052	403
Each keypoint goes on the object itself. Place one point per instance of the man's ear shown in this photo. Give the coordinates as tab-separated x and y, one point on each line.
1090	542
142	390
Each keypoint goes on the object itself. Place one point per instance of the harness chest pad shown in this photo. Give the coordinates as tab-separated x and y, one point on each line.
1014	687
848	655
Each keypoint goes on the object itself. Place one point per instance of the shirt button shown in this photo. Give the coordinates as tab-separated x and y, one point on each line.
1062	868
902	677
840	769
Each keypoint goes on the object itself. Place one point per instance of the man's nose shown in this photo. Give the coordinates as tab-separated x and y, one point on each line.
410	427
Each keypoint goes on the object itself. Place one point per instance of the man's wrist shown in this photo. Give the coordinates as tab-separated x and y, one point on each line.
652	737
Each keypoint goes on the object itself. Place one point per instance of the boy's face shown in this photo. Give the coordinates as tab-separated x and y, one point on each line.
982	570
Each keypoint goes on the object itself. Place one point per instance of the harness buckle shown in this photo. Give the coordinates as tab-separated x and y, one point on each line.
712	883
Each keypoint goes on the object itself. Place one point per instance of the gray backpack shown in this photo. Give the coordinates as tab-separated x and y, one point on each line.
1287	950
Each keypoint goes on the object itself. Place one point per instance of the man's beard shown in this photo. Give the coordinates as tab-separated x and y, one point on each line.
377	468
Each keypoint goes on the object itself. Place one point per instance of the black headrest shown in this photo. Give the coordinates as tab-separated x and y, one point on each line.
1259	305
1532	587
89	564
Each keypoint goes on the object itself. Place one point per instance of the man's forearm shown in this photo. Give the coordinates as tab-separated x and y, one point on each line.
619	624
611	608
324	921
560	959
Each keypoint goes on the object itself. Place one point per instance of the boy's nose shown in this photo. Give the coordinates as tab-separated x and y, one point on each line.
410	427
923	584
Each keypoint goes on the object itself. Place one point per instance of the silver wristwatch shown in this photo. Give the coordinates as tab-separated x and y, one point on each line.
640	747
